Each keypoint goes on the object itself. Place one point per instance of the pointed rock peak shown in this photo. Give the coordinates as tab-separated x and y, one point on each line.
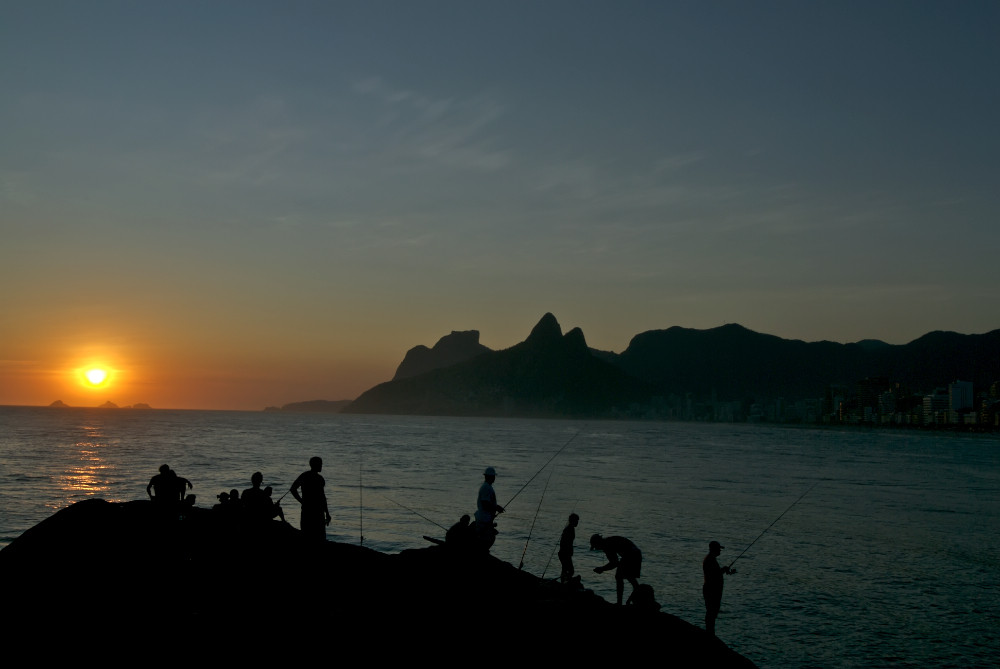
546	331
575	340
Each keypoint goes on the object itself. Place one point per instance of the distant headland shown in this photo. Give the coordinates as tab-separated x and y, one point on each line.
727	374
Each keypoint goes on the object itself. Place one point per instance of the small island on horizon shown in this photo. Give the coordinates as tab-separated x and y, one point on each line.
59	404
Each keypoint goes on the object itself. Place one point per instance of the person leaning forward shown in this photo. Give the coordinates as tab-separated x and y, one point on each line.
315	512
623	556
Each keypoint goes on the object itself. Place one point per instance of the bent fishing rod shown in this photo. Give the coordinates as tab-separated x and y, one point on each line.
772	524
542	468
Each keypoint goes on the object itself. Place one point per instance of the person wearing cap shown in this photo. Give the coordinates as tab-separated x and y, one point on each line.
487	509
712	590
623	556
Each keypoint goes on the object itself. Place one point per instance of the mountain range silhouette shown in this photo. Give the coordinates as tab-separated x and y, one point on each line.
552	374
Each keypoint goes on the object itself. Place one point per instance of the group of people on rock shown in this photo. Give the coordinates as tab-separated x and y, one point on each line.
624	557
168	490
254	504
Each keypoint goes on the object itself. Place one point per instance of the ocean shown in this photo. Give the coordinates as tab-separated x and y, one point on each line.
884	551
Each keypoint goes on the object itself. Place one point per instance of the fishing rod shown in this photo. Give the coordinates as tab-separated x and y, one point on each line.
542	468
361	500
418	513
772	524
532	529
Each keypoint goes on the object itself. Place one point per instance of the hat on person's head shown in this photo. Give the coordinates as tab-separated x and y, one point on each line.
715	544
490	472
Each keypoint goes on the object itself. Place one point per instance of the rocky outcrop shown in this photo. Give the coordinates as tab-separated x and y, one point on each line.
449	350
547	375
213	582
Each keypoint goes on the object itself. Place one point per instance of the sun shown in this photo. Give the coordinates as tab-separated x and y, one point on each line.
96	376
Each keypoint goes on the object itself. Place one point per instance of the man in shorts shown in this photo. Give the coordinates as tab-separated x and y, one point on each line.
623	556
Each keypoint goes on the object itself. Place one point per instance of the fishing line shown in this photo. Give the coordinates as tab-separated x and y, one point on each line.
532	529
418	513
775	521
542	468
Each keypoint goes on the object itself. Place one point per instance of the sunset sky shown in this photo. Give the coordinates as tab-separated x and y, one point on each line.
239	204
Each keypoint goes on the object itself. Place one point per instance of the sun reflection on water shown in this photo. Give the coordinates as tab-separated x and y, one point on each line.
90	475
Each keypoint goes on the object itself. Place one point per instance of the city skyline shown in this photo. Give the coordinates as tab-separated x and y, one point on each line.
245	204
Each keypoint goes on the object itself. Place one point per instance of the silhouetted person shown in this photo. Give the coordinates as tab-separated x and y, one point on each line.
712	590
623	556
228	505
461	534
162	488
487	509
643	599
223	504
315	512
167	491
257	502
183	485
184	500
269	491
566	547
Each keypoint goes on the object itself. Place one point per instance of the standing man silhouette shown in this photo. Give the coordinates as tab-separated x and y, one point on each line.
487	509
566	548
712	590
315	512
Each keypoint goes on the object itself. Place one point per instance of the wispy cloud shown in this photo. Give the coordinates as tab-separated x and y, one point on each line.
450	131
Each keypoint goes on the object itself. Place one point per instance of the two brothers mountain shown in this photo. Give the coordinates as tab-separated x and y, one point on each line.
558	375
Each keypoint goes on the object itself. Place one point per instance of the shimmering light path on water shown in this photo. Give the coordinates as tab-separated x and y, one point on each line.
891	559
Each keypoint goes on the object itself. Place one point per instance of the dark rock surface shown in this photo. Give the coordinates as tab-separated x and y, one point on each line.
127	577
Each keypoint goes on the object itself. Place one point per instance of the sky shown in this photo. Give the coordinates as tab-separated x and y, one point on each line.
238	204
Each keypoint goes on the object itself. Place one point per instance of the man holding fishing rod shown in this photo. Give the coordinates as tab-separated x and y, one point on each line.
487	509
712	590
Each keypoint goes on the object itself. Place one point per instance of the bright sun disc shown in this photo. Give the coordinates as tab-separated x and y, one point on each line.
96	376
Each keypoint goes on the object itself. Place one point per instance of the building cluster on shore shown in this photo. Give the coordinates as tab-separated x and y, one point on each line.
872	401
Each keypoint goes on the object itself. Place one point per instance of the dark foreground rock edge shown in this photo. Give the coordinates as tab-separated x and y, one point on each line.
215	583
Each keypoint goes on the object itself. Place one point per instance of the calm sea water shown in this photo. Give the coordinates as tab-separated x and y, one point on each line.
890	559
